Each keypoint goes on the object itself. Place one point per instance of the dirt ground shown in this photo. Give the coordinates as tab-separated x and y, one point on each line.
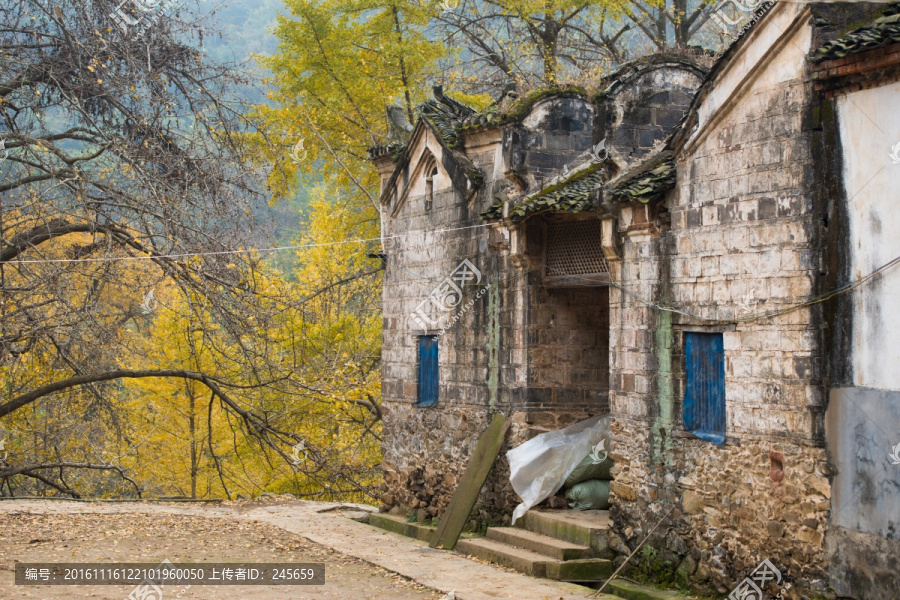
58	537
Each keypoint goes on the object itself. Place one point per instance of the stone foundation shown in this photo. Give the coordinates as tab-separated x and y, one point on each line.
427	454
734	506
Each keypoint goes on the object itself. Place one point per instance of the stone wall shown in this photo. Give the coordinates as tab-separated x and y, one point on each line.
554	135
740	238
425	449
643	107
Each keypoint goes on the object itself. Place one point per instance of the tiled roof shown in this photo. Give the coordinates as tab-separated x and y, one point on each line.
880	32
445	115
575	193
391	148
572	194
482	119
649	184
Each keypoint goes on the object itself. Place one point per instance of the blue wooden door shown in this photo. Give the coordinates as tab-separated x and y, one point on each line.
428	370
704	394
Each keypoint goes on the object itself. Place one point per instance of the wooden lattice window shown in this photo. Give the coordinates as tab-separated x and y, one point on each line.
574	253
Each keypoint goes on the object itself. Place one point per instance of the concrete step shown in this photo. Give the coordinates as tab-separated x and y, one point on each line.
533	563
398	524
636	591
583	527
539	543
524	561
584	569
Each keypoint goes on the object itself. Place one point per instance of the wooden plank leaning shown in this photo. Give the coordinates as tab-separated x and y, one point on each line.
463	501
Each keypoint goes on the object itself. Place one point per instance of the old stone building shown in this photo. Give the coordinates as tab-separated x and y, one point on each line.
534	344
689	248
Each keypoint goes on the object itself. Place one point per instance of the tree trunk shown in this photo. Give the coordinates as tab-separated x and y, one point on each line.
194	466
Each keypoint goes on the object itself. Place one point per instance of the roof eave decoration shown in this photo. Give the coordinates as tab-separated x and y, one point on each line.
445	114
572	193
646	183
392	149
442	116
615	81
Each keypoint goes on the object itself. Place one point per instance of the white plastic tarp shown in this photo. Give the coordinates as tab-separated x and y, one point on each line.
539	467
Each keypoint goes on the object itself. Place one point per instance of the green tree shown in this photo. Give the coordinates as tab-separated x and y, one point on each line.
339	64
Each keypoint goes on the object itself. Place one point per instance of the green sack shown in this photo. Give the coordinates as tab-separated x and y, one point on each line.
589	495
586	469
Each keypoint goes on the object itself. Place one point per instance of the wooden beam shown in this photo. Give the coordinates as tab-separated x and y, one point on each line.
463	501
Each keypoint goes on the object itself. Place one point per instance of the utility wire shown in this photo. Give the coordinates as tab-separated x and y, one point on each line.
239	250
754	317
713	320
574	279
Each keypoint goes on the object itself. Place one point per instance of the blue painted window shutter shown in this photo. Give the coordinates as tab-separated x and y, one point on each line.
704	394
428	370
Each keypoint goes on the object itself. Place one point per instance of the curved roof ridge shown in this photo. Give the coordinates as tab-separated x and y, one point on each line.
637	67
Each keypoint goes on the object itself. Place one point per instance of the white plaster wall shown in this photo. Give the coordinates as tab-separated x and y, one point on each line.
869	128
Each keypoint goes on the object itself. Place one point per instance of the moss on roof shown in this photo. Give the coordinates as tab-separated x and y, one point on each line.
519	108
649	184
444	114
486	118
572	194
449	117
881	32
523	105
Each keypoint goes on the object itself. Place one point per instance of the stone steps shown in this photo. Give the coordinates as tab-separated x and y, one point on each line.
554	544
580	570
533	563
587	527
636	591
537	542
524	561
